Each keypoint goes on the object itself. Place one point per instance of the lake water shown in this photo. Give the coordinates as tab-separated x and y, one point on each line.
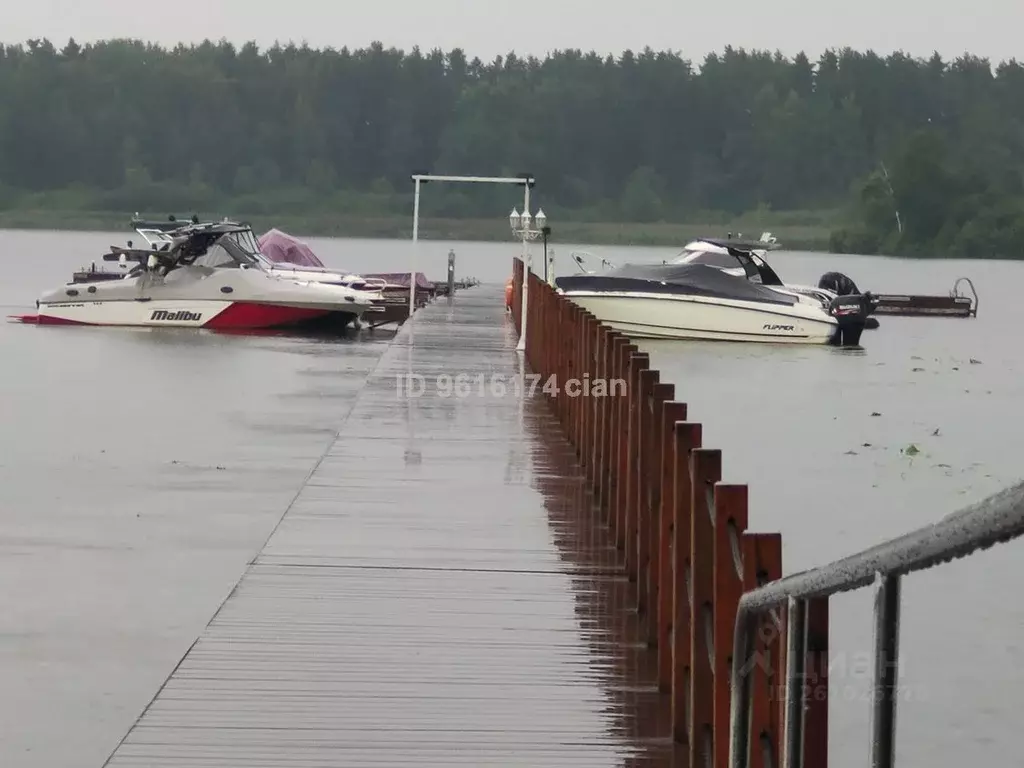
141	470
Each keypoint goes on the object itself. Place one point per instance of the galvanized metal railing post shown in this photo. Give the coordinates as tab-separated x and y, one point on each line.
744	661
451	274
816	669
886	680
796	637
730	510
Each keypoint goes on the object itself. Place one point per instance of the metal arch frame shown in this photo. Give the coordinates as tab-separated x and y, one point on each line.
994	520
526	179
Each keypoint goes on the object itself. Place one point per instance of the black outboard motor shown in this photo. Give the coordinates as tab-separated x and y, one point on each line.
842	285
852	313
838	283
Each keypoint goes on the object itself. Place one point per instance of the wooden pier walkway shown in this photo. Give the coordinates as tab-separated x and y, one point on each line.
437	594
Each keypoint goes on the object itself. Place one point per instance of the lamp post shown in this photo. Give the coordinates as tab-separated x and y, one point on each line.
520	224
548	261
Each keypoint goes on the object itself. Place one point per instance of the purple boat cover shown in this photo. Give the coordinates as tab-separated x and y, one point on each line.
401	278
282	248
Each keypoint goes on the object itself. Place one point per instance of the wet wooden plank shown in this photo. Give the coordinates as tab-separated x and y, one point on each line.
438	594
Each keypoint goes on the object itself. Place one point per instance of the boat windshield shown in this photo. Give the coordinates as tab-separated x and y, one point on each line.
754	267
226	252
247	241
712	259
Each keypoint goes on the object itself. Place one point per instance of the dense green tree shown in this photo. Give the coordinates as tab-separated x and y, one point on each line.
645	136
935	203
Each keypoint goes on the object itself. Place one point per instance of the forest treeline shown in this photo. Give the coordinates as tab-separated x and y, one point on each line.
641	137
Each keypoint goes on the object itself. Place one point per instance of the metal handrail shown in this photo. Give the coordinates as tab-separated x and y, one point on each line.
994	520
955	293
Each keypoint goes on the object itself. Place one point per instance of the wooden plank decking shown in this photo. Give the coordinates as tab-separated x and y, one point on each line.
435	595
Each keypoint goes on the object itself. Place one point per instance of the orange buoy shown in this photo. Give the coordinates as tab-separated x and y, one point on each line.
509	291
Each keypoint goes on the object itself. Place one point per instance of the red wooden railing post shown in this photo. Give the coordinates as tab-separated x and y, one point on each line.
671	412
574	370
638	492
620	436
638	368
517	294
615	343
730	524
705	471
687	440
762	562
587	406
651	493
603	419
613	435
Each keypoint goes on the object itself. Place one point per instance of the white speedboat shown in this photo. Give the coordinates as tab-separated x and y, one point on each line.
198	276
708	294
708	251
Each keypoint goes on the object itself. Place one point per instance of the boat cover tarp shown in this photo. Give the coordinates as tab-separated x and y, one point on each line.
677	279
402	278
282	248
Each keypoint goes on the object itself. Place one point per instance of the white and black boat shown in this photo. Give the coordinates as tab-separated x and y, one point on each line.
195	275
742	299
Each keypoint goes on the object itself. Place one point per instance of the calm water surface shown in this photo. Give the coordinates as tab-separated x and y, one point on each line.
141	470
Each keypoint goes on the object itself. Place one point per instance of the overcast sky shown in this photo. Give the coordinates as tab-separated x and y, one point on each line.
486	28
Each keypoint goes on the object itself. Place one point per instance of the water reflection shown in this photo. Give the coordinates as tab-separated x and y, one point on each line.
621	664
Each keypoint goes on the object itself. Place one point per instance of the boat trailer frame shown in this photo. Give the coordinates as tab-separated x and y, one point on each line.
527	181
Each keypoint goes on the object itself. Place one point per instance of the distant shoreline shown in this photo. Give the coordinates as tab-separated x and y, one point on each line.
482	230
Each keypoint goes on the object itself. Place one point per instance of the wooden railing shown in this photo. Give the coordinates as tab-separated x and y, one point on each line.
681	532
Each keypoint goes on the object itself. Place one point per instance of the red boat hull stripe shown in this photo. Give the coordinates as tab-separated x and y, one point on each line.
245	315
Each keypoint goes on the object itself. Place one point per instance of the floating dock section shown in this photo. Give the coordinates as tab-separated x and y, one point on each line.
954	305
